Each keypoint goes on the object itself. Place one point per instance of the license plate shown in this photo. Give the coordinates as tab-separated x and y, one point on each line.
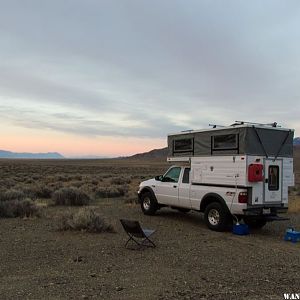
266	211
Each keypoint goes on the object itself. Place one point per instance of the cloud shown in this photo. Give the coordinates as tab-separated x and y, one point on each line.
135	68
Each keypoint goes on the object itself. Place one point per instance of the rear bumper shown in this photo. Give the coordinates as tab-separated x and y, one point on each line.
264	210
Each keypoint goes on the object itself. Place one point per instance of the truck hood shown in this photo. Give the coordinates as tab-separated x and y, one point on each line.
148	182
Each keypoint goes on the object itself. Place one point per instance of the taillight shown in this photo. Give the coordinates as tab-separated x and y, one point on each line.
243	197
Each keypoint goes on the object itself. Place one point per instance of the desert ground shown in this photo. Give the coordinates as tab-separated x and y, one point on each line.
40	260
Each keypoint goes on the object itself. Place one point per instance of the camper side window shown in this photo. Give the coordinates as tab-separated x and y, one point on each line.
225	142
183	145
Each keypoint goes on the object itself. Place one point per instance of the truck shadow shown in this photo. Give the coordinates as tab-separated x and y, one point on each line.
192	217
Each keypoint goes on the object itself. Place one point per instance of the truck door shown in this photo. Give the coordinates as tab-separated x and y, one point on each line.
167	189
184	189
273	181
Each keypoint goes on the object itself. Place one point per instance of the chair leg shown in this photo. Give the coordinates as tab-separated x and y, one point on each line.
141	244
127	242
148	241
132	239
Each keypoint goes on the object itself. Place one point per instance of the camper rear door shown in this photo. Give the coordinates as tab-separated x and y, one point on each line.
273	181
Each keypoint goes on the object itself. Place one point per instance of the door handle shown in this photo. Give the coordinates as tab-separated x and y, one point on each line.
266	180
175	186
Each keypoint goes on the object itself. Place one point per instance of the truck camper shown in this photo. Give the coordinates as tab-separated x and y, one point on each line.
241	171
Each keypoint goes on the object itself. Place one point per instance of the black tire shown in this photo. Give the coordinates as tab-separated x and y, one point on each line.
255	223
183	210
217	217
148	204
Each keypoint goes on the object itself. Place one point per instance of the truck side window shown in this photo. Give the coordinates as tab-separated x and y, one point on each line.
186	175
172	175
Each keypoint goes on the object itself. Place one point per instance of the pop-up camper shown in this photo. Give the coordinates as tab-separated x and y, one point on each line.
244	170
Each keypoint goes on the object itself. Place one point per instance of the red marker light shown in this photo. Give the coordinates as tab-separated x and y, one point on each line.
243	197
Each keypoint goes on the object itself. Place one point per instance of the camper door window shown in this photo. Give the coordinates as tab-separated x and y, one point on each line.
225	142
183	145
273	182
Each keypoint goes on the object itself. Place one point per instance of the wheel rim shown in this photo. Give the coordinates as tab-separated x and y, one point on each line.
147	203
213	217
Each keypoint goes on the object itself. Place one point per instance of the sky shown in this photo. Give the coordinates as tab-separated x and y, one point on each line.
111	78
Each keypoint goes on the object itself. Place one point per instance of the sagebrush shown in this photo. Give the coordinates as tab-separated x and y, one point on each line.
18	208
70	196
84	219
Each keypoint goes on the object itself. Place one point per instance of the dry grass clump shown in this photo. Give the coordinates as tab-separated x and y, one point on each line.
70	196
111	191
86	220
12	194
37	191
18	208
43	191
120	180
131	198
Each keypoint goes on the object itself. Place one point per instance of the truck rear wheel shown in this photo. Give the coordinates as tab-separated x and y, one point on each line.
148	204
255	223
217	217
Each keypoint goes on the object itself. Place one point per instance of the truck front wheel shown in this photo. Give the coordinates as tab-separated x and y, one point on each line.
217	217
148	204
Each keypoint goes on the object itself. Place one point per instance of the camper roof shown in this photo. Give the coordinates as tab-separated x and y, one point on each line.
218	127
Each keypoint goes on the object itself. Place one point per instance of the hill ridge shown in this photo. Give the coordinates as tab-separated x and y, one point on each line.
47	155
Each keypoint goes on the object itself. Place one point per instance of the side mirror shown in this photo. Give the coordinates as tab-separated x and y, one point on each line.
158	178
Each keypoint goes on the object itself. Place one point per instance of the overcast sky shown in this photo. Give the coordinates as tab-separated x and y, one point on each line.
115	77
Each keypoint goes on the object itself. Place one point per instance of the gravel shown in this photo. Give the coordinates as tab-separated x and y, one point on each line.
190	261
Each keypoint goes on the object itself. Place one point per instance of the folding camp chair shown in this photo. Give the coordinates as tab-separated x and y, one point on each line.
137	234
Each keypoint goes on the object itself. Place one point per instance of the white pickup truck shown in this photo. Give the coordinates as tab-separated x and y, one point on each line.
242	171
174	189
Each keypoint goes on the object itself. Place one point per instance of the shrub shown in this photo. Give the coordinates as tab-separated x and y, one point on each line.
18	208
89	189
77	183
120	180
36	191
70	196
84	219
8	182
111	192
131	198
55	185
12	195
77	177
43	191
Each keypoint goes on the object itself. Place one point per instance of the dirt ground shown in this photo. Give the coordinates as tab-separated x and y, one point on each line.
189	262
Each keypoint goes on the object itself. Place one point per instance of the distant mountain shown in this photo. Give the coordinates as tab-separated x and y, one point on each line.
297	141
49	155
156	153
88	157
